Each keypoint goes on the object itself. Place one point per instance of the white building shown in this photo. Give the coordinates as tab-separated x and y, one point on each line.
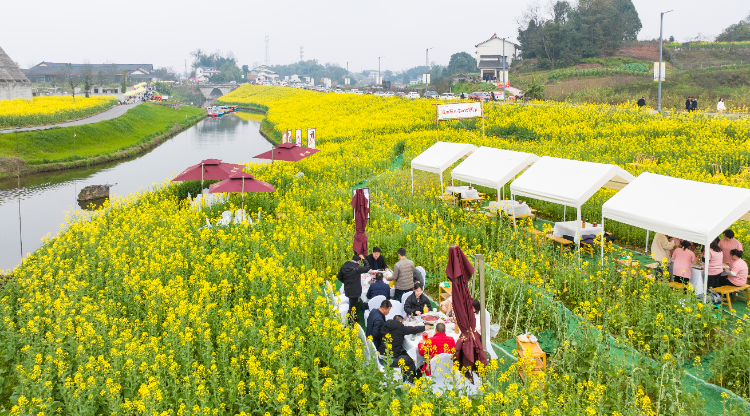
205	74
13	83
263	74
494	57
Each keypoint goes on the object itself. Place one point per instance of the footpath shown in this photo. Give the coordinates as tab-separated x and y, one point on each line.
113	112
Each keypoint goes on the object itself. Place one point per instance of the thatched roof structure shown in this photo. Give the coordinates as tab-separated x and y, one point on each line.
9	71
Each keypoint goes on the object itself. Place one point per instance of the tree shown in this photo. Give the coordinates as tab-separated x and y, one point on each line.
123	81
461	63
63	74
112	71
737	32
73	80
87	76
535	90
101	78
165	74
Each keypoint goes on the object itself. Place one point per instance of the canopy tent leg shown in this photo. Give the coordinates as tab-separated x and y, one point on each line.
602	259
412	181
512	207
646	249
578	234
707	255
442	189
565	207
498	194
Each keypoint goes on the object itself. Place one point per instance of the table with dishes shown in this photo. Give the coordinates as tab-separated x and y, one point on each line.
696	278
576	229
517	208
411	342
366	279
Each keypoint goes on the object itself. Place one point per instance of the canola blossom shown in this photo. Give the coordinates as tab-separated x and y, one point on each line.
48	110
141	309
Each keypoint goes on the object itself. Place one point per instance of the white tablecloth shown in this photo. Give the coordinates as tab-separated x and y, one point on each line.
366	278
411	342
510	208
574	228
696	279
464	191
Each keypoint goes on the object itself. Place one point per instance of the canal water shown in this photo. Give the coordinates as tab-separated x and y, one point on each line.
45	198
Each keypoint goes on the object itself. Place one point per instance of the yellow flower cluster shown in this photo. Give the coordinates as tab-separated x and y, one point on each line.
48	110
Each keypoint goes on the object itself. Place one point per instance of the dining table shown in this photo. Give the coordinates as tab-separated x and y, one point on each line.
576	229
510	207
366	279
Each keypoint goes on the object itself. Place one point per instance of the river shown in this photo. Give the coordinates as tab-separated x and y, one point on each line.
43	199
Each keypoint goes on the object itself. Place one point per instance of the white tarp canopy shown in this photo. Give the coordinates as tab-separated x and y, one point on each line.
439	157
568	182
492	167
706	211
649	202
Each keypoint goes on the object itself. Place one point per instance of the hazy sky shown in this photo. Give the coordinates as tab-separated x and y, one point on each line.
164	32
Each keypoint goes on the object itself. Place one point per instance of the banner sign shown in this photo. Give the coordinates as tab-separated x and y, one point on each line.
663	71
457	111
289	136
283	137
299	137
503	85
311	138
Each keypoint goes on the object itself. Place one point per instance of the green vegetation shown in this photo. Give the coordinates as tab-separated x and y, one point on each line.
469	87
595	72
137	126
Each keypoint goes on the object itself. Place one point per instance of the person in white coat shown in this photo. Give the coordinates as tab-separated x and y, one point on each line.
660	249
720	107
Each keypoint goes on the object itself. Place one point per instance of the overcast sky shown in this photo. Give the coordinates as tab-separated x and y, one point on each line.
164	32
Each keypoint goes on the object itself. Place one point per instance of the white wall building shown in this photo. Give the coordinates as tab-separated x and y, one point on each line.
492	59
204	74
13	83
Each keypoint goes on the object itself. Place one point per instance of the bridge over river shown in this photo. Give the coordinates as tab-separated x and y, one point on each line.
213	91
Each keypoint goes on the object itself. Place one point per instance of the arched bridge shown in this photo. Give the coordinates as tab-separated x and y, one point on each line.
214	91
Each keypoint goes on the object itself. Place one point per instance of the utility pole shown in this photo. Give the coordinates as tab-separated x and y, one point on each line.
427	57
268	59
661	32
186	74
504	63
379	67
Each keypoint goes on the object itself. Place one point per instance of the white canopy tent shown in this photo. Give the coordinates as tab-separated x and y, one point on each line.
439	157
649	202
568	182
492	167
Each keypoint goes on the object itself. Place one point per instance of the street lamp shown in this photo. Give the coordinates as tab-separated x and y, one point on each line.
661	31
379	66
427	57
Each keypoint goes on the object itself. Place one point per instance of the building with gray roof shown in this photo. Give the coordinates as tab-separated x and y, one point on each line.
13	83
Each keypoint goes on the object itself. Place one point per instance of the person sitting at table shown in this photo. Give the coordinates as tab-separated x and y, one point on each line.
416	302
737	272
349	275
379	287
403	275
375	321
392	334
661	250
376	261
727	244
446	307
683	258
715	262
438	344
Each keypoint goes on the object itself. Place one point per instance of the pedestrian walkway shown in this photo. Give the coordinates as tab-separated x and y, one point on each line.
113	112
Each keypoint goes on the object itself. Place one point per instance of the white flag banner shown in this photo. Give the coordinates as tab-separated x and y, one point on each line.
311	138
299	137
663	71
283	137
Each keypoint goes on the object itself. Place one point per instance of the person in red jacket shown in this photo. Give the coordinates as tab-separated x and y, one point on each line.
438	344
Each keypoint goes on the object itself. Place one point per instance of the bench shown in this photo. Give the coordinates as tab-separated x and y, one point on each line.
563	242
743	174
445	197
536	234
716	169
465	202
726	291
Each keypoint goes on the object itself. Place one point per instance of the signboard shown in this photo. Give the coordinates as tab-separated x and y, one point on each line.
457	111
346	81
283	137
502	85
367	195
299	137
663	71
311	138
426	78
499	95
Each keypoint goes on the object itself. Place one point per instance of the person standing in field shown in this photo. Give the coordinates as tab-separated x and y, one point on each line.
641	101
720	107
403	275
694	104
688	104
727	244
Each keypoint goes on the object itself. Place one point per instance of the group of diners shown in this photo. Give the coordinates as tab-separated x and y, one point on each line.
726	266
388	334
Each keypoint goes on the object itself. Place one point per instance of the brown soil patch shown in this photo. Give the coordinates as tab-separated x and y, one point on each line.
641	50
572	85
587	66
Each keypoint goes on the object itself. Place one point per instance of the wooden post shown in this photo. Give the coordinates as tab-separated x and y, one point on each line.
484	325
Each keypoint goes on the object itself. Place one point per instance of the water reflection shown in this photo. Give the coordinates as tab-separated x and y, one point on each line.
46	197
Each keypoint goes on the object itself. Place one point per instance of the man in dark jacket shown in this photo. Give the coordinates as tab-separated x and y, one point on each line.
375	321
376	261
694	104
641	102
416	302
689	103
379	287
349	275
397	331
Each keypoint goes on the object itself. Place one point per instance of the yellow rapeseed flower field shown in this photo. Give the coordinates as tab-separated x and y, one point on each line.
48	110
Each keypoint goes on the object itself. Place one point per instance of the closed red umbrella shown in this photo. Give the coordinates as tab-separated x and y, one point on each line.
208	170
241	182
361	211
469	345
289	152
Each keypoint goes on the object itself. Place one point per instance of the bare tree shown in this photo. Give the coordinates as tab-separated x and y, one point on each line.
87	77
73	80
63	74
101	78
112	71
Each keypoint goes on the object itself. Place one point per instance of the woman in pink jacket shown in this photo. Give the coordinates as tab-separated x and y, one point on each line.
683	259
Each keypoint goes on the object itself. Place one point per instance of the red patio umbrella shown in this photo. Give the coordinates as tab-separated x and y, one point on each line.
241	182
361	210
289	152
208	170
469	345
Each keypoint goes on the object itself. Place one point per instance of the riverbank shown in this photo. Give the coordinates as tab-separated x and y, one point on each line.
137	131
267	128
